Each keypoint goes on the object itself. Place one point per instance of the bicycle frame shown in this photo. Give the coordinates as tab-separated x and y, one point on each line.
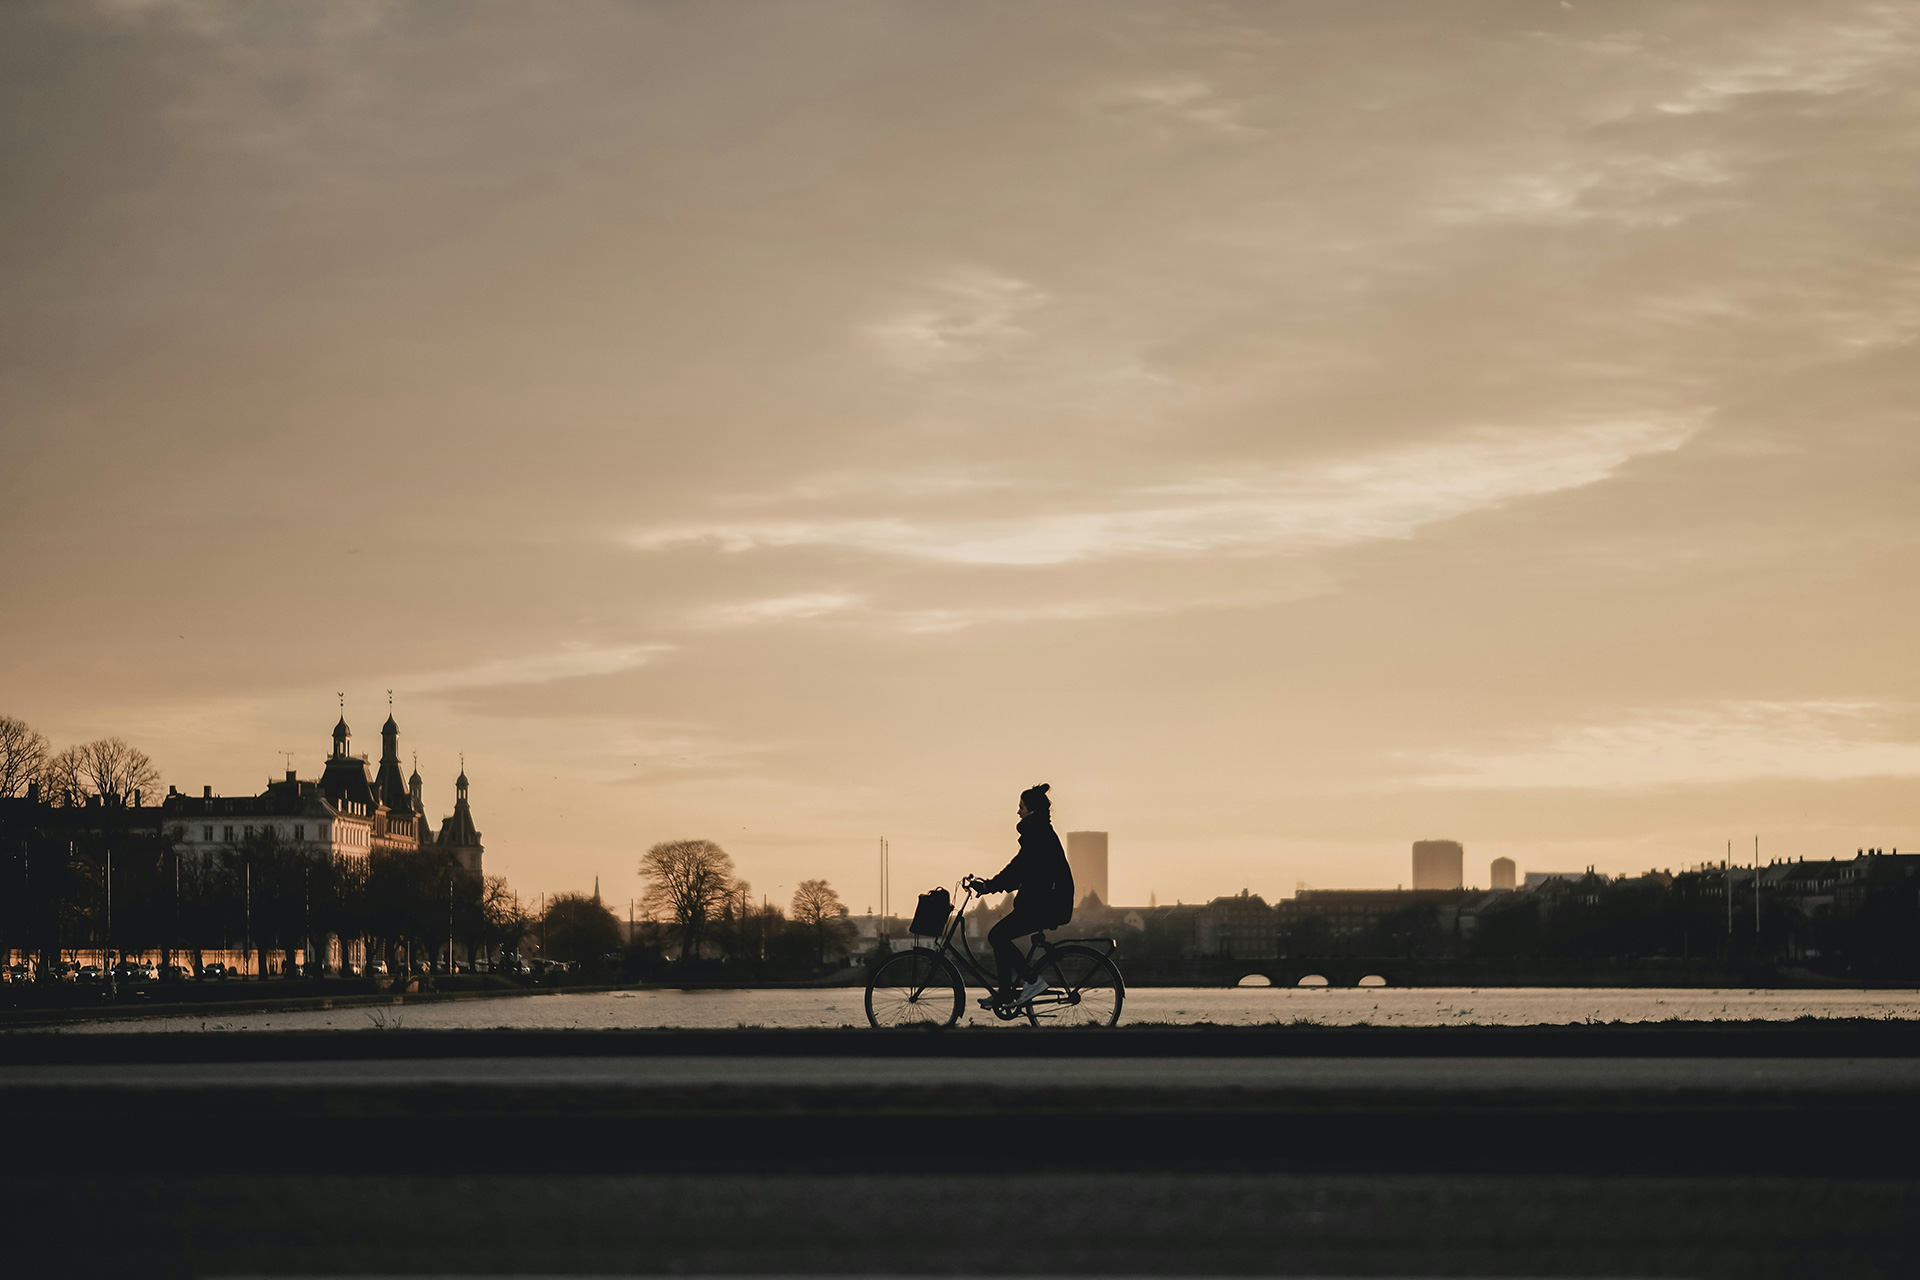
972	972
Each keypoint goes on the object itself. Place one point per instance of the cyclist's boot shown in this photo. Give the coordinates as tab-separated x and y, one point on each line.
1037	987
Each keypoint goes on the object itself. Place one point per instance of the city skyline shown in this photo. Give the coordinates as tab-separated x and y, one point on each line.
1290	433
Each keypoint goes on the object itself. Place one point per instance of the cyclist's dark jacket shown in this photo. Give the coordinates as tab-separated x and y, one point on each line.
1040	873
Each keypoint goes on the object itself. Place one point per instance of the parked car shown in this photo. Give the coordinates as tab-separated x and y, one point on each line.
349	971
88	973
378	969
174	973
215	972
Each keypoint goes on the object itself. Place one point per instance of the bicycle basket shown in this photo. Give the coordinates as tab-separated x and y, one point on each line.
930	917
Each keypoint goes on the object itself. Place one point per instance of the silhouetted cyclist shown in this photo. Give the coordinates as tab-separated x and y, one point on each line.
1044	900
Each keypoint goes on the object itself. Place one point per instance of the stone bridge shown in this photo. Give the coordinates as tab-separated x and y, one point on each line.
1225	971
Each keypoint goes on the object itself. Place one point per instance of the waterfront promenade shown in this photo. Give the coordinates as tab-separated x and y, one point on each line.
603	1009
1660	1149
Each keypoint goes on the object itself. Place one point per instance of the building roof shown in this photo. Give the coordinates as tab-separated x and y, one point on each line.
345	778
457	832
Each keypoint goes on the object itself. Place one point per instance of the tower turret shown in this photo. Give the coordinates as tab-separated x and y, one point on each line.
388	785
457	834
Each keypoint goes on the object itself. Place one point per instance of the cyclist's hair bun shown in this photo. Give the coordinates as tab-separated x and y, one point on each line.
1035	797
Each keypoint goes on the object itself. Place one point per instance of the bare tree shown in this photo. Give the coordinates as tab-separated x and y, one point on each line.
107	768
23	756
60	777
504	917
818	911
688	882
114	771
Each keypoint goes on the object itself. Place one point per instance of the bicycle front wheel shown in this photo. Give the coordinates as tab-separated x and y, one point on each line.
1084	989
918	987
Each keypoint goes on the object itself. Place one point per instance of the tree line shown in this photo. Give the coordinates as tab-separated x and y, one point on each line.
94	878
1870	931
701	915
106	770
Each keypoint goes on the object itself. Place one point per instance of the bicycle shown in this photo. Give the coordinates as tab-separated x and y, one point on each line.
923	986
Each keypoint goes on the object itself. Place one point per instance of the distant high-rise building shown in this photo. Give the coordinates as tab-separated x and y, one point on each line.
1087	855
1438	864
1503	873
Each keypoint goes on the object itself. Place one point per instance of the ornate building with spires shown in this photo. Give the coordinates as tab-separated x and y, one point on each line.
351	811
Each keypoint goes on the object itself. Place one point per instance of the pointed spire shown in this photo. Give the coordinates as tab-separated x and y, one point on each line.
416	795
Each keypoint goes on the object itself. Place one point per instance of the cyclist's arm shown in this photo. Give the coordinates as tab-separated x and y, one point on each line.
1009	878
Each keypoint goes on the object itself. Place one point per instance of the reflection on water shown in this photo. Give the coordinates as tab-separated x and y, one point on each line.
1244	1006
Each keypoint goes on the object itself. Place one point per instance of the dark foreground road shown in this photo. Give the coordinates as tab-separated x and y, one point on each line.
1776	1153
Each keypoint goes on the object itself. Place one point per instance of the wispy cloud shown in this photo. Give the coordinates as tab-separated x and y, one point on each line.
967	314
959	618
1718	743
1631	190
1816	57
567	661
1192	101
1328	504
794	608
663	754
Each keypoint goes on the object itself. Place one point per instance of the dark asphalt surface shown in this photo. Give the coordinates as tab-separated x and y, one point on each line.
1266	1154
1410	1076
904	1217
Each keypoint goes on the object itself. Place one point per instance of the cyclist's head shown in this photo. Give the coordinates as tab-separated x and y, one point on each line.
1034	800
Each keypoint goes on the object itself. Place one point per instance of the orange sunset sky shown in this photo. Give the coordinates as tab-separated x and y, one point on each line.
1291	430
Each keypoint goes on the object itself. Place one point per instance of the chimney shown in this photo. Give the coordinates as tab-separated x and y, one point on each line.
206	793
289	775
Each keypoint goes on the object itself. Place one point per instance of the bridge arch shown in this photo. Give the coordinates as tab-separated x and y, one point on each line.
1254	979
1313	980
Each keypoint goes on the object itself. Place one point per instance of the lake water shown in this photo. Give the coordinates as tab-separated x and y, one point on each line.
1231	1006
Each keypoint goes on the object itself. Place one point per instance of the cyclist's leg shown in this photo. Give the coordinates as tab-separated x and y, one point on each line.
1011	961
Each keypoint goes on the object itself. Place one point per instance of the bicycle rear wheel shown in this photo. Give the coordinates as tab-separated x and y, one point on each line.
1084	989
918	987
